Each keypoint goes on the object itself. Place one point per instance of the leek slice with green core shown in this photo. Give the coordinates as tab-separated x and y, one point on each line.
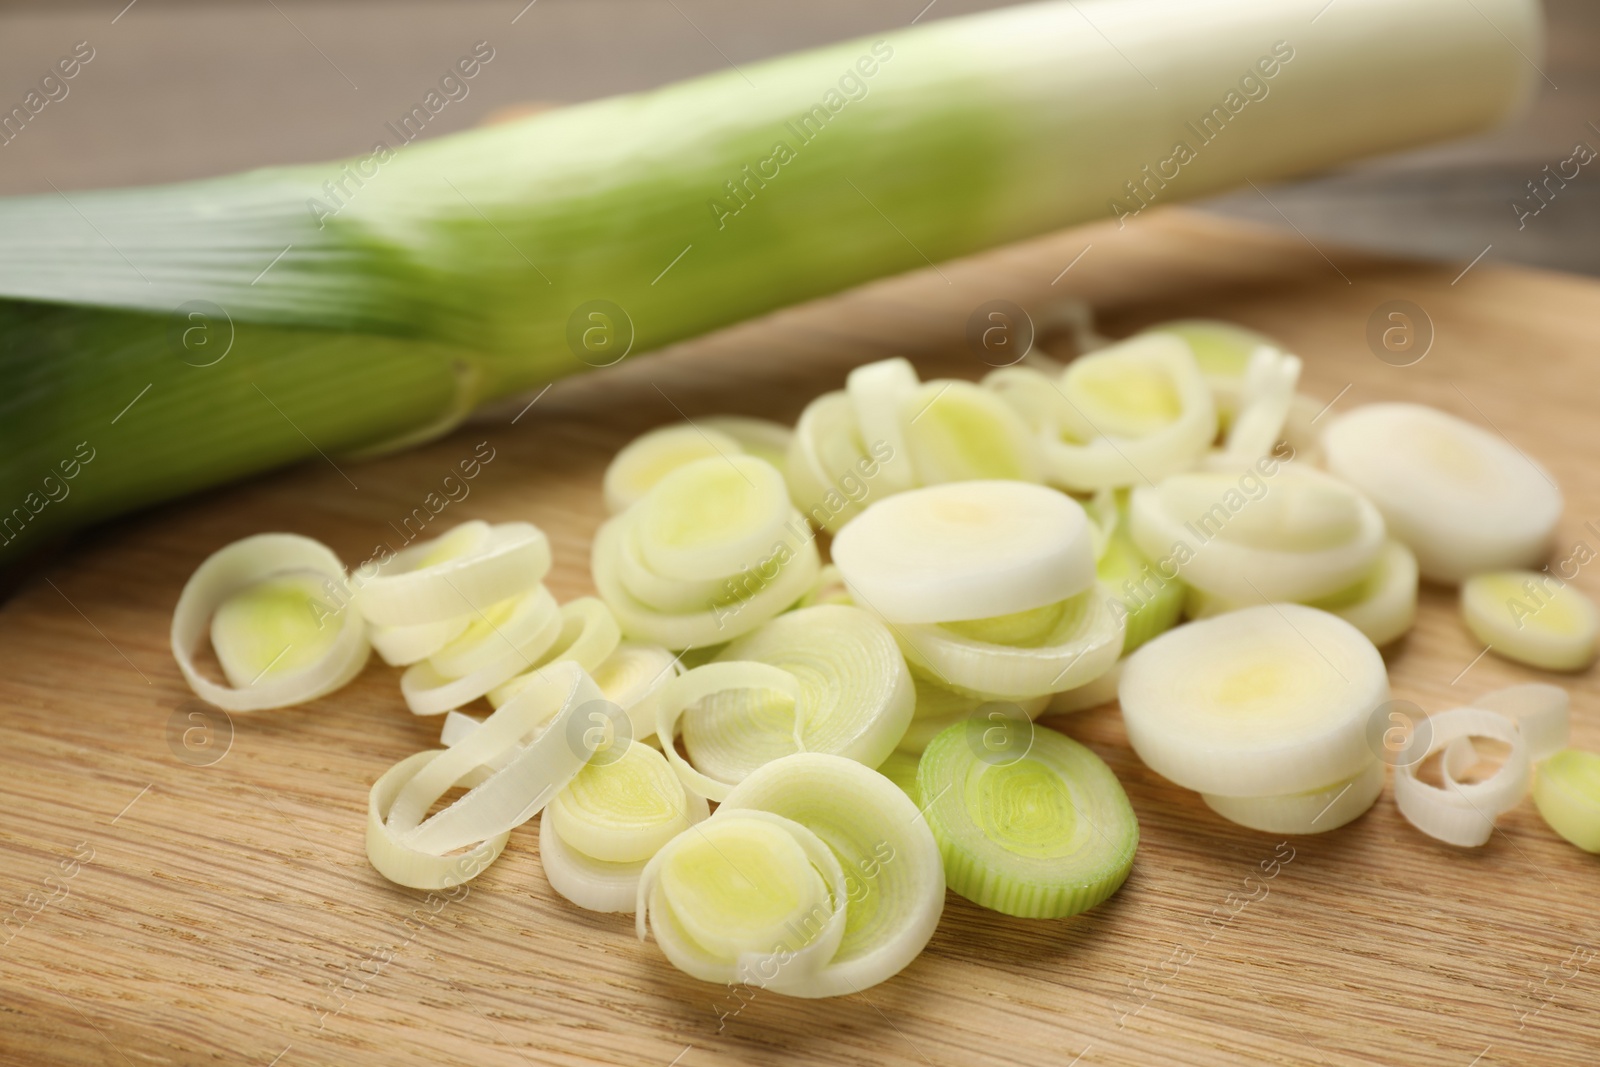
1222	351
855	695
1133	413
1264	701
1285	533
650	457
469	569
587	634
623	809
747	897
276	609
1566	790
1533	618
893	876
748	598
695	685
710	512
1037	827
1465	500
957	431
1382	605
966	550
632	677
494	650
1311	811
456	270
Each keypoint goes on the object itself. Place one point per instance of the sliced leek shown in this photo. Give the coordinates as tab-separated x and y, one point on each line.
832	472
1533	618
1135	413
1039	830
1311	811
856	695
1382	605
466	570
893	876
1299	535
957	431
1080	639
401	646
878	392
1540	712
265	603
1222	351
1148	598
1566	790
939	708
747	897
648	458
1264	701
966	550
1264	405
709	512
690	688
762	438
1465	500
632	677
403	863
1456	813
505	641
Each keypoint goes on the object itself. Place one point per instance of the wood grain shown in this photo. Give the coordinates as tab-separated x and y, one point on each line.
228	914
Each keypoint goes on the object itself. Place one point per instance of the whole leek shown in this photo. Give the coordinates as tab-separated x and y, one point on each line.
155	341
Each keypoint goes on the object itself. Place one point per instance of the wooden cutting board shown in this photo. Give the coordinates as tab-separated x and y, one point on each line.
226	913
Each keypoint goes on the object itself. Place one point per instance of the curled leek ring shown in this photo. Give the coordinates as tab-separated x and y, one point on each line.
552	708
1460	814
694	686
491	652
285	568
404	864
587	635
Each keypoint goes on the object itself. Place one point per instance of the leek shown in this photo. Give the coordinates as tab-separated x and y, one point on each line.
184	335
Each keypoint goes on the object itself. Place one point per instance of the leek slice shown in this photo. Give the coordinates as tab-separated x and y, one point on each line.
1566	791
957	431
1533	618
699	683
401	646
656	591
1313	811
855	695
893	875
1035	396
650	457
260	588
543	729
750	598
631	678
747	897
710	512
938	707
1222	351
1465	500
762	438
1268	394
1382	605
967	550
591	884
532	623
1135	413
831	471
1302	536
1040	830
1083	640
587	634
878	394
468	569
1264	701
1463	814
623	810
403	863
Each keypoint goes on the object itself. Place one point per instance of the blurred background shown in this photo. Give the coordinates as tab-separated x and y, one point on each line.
191	88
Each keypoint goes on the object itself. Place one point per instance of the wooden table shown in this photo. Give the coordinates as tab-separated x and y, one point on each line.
226	913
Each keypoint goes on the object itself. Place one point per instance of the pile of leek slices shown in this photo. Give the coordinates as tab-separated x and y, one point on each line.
865	728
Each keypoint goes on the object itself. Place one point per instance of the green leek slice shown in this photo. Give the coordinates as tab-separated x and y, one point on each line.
1566	790
1533	618
1039	830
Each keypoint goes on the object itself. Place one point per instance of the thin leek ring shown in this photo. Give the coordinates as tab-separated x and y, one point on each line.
695	685
514	557
403	863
